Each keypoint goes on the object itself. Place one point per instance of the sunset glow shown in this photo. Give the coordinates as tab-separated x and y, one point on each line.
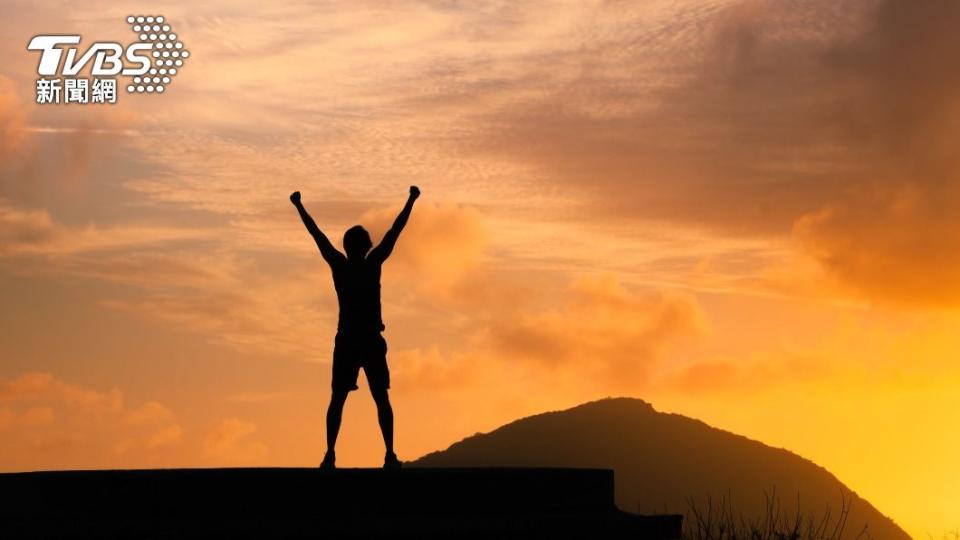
744	212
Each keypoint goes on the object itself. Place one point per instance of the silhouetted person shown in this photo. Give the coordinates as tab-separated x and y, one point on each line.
359	343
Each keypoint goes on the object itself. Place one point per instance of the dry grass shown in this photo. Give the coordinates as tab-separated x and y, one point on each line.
716	520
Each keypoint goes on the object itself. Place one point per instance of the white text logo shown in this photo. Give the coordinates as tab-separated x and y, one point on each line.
151	63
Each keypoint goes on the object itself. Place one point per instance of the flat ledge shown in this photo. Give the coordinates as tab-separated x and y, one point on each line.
306	503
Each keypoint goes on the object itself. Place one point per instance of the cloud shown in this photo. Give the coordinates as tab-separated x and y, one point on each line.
37	416
282	301
29	165
604	332
715	132
738	118
894	244
34	232
757	374
39	386
12	120
231	299
163	437
892	235
257	397
598	333
772	119
230	441
50	155
429	368
24	229
441	243
50	423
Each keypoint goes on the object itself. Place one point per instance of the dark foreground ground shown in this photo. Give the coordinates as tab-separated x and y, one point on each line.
305	503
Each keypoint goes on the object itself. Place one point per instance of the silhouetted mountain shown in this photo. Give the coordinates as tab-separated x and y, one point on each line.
661	460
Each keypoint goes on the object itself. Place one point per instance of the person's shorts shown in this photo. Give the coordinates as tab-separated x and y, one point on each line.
354	351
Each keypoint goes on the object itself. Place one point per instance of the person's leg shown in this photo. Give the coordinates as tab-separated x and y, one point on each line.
334	415
384	416
345	372
378	377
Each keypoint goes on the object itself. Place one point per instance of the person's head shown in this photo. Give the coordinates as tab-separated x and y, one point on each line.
356	242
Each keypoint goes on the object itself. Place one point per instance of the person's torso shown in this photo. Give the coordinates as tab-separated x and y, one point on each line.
358	293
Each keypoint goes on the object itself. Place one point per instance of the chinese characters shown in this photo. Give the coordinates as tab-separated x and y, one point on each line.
76	90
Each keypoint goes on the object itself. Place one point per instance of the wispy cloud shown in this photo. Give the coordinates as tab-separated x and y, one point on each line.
73	130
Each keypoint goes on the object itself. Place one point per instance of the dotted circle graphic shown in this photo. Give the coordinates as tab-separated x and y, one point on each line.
167	52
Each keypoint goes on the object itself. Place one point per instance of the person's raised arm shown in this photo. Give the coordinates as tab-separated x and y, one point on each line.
330	253
382	251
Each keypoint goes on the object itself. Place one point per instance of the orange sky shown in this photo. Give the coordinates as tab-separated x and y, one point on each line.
745	212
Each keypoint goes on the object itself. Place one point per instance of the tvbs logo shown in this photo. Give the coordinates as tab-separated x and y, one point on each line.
150	63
